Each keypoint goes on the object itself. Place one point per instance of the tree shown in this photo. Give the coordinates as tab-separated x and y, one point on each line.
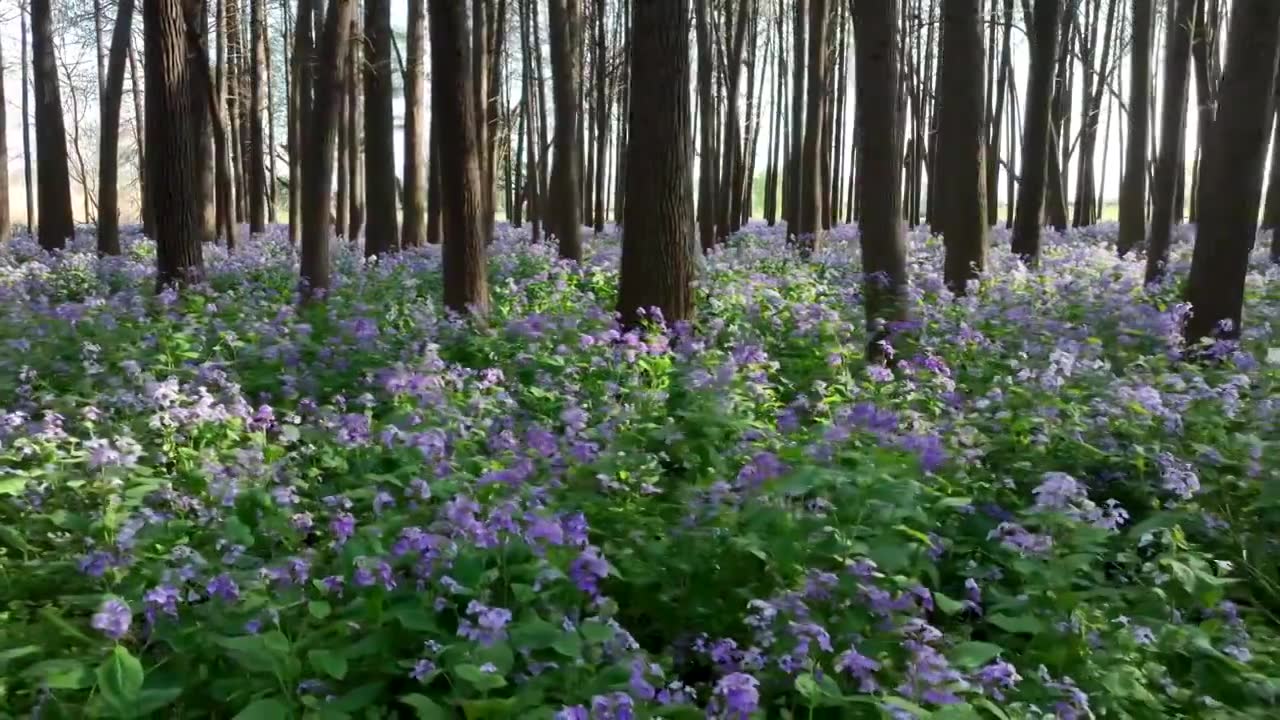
962	210
1036	135
730	153
26	128
707	180
884	243
5	227
56	220
791	186
564	200
466	287
1173	117
659	252
257	153
414	232
812	189
1233	167
108	162
319	138
380	150
169	41
1133	187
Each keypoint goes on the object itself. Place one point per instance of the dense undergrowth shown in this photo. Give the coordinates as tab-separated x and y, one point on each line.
217	504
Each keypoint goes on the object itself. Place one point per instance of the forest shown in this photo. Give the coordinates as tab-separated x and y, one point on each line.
640	359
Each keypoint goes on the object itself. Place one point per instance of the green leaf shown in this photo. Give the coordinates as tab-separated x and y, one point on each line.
907	705
948	605
1017	623
152	699
489	708
568	645
319	609
818	693
499	654
534	634
13	486
426	708
961	711
596	632
120	679
265	709
61	674
974	654
11	654
267	652
360	698
415	617
992	708
478	678
328	662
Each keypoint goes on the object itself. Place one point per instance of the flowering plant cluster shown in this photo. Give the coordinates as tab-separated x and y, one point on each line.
221	503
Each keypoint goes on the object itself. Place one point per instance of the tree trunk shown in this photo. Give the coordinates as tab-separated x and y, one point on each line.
255	158
291	75
326	76
465	265
479	83
797	121
355	124
962	211
1203	41
5	222
602	116
707	185
883	240
108	157
729	148
1169	165
148	208
56	219
1095	81
531	144
435	213
809	232
414	233
171	135
997	119
381	234
270	142
565	219
1133	188
1036	135
206	208
1233	166
1271	210
624	113
26	131
659	258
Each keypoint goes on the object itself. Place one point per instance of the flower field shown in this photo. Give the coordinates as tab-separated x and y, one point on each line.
222	504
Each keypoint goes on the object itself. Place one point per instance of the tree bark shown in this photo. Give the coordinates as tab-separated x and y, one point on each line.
565	219
797	121
532	188
257	155
1233	166
171	135
414	232
56	219
1204	40
355	126
809	232
997	119
962	211
883	237
5	222
26	130
729	149
1036	135
659	257
707	171
465	264
602	117
108	157
1133	188
435	212
1173	116
381	234
320	134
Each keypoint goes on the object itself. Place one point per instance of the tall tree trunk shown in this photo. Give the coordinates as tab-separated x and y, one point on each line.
171	135
1233	169
531	145
624	114
256	157
495	36
810	232
381	235
997	119
292	90
270	142
659	258
1172	128
729	148
206	208
147	206
355	143
1133	188
707	170
1095	82
342	194
480	73
26	131
235	107
962	210
563	18
326	76
1203	41
544	147
1059	142
465	263
797	120
883	240
1271	210
108	157
5	222
776	131
602	116
1036	134
414	233
56	219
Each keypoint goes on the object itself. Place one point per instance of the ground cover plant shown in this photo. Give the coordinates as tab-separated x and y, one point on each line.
225	504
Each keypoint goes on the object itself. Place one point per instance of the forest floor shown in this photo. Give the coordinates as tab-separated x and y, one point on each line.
218	504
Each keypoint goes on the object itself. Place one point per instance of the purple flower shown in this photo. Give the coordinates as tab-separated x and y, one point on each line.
223	587
614	706
343	526
737	695
163	598
487	625
1020	540
112	619
421	669
996	677
860	667
573	712
588	569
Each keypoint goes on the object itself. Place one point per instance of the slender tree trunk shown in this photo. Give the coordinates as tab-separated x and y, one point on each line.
293	92
414	233
255	158
602	117
1037	132
707	179
659	257
1233	169
171	134
883	240
1173	118
1271	210
342	195
1133	188
1203	41
139	123
465	262
624	83
544	146
566	221
327	79
962	199
6	227
108	157
809	231
797	121
531	145
1095	82
26	130
355	141
271	118
381	235
997	119
729	149
435	209
480	73
56	219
